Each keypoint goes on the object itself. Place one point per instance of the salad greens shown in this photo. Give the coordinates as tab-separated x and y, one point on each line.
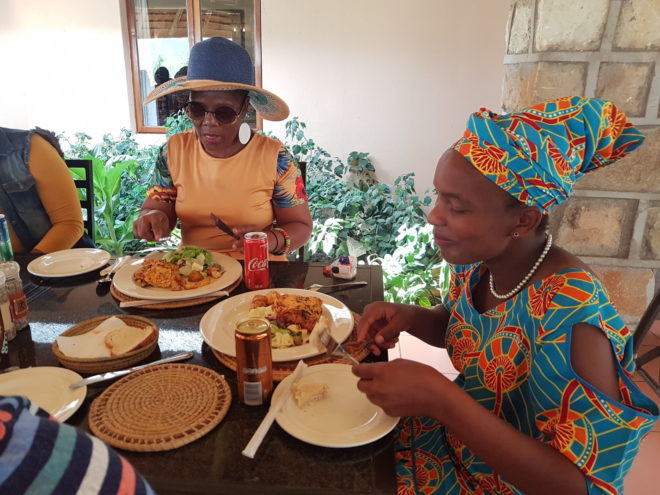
190	253
190	258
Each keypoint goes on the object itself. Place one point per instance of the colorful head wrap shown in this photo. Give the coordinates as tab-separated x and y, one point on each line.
536	155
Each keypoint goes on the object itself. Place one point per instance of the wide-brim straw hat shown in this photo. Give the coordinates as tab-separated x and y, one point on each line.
217	64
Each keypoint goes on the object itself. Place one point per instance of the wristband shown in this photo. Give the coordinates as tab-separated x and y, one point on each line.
287	240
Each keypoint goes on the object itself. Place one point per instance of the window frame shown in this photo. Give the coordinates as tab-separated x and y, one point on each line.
193	12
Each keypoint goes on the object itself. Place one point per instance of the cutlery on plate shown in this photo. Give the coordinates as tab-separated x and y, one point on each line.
344	285
334	348
251	448
107	273
114	374
223	226
147	302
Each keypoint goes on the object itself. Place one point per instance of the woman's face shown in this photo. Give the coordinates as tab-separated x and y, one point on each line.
470	218
219	140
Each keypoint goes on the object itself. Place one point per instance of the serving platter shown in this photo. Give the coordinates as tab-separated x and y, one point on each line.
219	323
123	281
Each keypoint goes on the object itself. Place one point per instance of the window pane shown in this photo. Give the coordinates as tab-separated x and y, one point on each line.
234	20
162	44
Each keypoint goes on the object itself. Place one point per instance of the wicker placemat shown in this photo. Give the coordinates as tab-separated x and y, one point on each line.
161	407
282	369
121	297
101	365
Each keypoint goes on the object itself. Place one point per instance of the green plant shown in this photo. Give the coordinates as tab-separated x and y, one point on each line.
121	171
355	214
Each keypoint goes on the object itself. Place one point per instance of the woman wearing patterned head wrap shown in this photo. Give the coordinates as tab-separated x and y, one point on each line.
544	402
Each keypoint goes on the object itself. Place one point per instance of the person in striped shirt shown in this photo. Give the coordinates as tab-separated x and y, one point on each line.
39	455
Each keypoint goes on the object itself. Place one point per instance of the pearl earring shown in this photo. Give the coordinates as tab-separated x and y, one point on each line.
244	133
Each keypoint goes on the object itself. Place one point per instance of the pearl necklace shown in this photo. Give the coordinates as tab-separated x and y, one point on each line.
529	275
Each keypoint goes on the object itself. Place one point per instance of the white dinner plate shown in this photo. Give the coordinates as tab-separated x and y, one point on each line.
68	262
343	418
219	323
47	387
123	281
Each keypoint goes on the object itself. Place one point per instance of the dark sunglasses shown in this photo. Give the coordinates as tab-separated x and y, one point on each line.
223	114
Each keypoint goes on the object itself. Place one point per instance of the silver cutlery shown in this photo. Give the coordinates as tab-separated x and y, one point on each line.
251	448
334	348
115	374
108	272
344	285
147	302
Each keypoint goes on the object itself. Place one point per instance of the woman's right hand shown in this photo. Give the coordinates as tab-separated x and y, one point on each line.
382	323
152	225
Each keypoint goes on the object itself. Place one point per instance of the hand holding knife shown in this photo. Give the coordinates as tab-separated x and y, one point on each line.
223	226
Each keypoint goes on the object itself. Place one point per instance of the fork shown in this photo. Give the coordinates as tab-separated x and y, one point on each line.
334	348
345	285
119	262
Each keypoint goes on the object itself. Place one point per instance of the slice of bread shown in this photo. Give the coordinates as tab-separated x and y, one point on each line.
123	340
306	393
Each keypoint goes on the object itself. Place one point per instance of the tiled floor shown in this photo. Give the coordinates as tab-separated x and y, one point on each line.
643	476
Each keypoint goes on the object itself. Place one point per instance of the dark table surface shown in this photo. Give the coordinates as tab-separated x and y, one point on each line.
213	463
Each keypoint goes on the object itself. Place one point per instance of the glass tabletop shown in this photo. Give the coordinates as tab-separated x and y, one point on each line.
213	464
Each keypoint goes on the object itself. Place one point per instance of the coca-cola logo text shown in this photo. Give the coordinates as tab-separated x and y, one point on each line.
257	265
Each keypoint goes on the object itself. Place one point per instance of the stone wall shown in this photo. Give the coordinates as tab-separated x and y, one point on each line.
606	49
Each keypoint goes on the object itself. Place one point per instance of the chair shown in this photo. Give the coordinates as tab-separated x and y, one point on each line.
649	317
85	185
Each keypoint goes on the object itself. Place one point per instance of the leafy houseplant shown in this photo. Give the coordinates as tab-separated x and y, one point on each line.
121	170
355	214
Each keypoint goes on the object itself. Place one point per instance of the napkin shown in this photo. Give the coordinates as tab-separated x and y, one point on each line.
260	433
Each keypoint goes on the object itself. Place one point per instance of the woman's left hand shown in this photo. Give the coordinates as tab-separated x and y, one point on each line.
402	387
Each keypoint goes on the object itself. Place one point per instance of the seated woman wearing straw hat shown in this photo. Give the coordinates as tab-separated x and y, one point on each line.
544	402
223	168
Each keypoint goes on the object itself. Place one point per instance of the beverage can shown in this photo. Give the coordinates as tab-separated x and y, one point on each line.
6	251
255	247
254	361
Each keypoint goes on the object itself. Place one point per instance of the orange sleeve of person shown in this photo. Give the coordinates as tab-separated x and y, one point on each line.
58	195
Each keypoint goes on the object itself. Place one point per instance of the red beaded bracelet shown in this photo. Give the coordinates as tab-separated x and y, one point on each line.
287	240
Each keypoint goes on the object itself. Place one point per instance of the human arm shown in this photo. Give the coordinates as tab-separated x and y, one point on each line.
157	216
156	220
408	388
290	209
58	196
296	221
382	323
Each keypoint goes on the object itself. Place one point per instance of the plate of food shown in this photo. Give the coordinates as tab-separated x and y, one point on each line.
186	272
297	317
47	387
326	408
68	262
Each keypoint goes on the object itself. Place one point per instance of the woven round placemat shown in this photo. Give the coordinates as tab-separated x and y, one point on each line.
101	365
121	297
282	369
161	407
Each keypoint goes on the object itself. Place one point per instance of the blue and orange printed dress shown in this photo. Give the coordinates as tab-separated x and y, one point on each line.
514	359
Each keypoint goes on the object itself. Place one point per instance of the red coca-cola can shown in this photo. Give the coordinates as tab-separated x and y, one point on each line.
255	248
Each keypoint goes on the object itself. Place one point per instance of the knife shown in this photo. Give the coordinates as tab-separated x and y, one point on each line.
114	374
223	226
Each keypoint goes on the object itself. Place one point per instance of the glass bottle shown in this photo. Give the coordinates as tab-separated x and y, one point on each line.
5	312
17	301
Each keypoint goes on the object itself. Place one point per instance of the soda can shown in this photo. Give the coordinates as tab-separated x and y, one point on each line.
6	251
255	248
254	361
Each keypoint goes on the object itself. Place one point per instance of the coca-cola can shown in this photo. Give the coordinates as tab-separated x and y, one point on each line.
254	361
255	247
